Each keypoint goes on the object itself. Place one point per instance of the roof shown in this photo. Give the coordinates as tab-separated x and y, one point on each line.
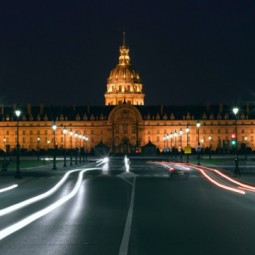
153	112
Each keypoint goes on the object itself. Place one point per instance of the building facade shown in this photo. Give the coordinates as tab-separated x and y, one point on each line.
125	124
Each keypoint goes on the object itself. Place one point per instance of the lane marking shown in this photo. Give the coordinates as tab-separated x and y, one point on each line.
126	235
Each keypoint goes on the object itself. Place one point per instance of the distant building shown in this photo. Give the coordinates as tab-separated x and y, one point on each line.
125	124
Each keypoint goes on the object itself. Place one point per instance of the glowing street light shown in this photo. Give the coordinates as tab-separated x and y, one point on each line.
187	134
235	111
38	147
198	124
64	132
18	174
54	127
85	138
71	153
181	133
210	139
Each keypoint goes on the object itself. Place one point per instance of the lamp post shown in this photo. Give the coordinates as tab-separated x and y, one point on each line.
4	166
18	174
198	124
181	133
245	148
48	144
86	141
38	147
187	134
175	147
64	132
54	127
4	147
170	136
166	149
76	158
235	111
71	152
210	139
80	137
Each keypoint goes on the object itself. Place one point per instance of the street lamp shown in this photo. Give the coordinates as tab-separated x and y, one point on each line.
38	147
170	136
80	137
86	141
235	111
175	147
71	153
187	133
198	124
181	133
4	167
166	149
76	156
210	154
4	147
54	127
64	132
18	174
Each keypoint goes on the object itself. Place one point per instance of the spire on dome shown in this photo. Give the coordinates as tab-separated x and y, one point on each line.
124	58
124	39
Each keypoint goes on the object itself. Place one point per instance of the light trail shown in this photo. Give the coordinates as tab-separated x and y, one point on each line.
223	186
244	186
28	220
32	200
9	188
126	161
219	184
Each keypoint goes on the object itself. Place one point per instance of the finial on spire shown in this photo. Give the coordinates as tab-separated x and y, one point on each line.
124	39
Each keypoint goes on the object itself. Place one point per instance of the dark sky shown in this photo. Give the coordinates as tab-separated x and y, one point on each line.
186	52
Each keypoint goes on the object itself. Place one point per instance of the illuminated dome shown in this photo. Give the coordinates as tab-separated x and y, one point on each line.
124	83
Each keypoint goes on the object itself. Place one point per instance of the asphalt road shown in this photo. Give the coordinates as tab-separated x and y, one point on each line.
131	209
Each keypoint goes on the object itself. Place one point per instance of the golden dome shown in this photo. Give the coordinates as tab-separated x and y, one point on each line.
124	72
124	83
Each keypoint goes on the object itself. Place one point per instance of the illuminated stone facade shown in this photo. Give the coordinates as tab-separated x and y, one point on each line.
124	123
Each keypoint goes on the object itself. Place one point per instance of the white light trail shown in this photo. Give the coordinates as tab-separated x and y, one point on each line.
31	200
126	161
102	161
26	221
9	188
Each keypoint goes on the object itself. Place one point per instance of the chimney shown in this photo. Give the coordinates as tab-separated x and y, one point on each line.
29	109
220	108
41	108
161	109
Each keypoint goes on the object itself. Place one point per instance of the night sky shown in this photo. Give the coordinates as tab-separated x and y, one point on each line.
186	52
